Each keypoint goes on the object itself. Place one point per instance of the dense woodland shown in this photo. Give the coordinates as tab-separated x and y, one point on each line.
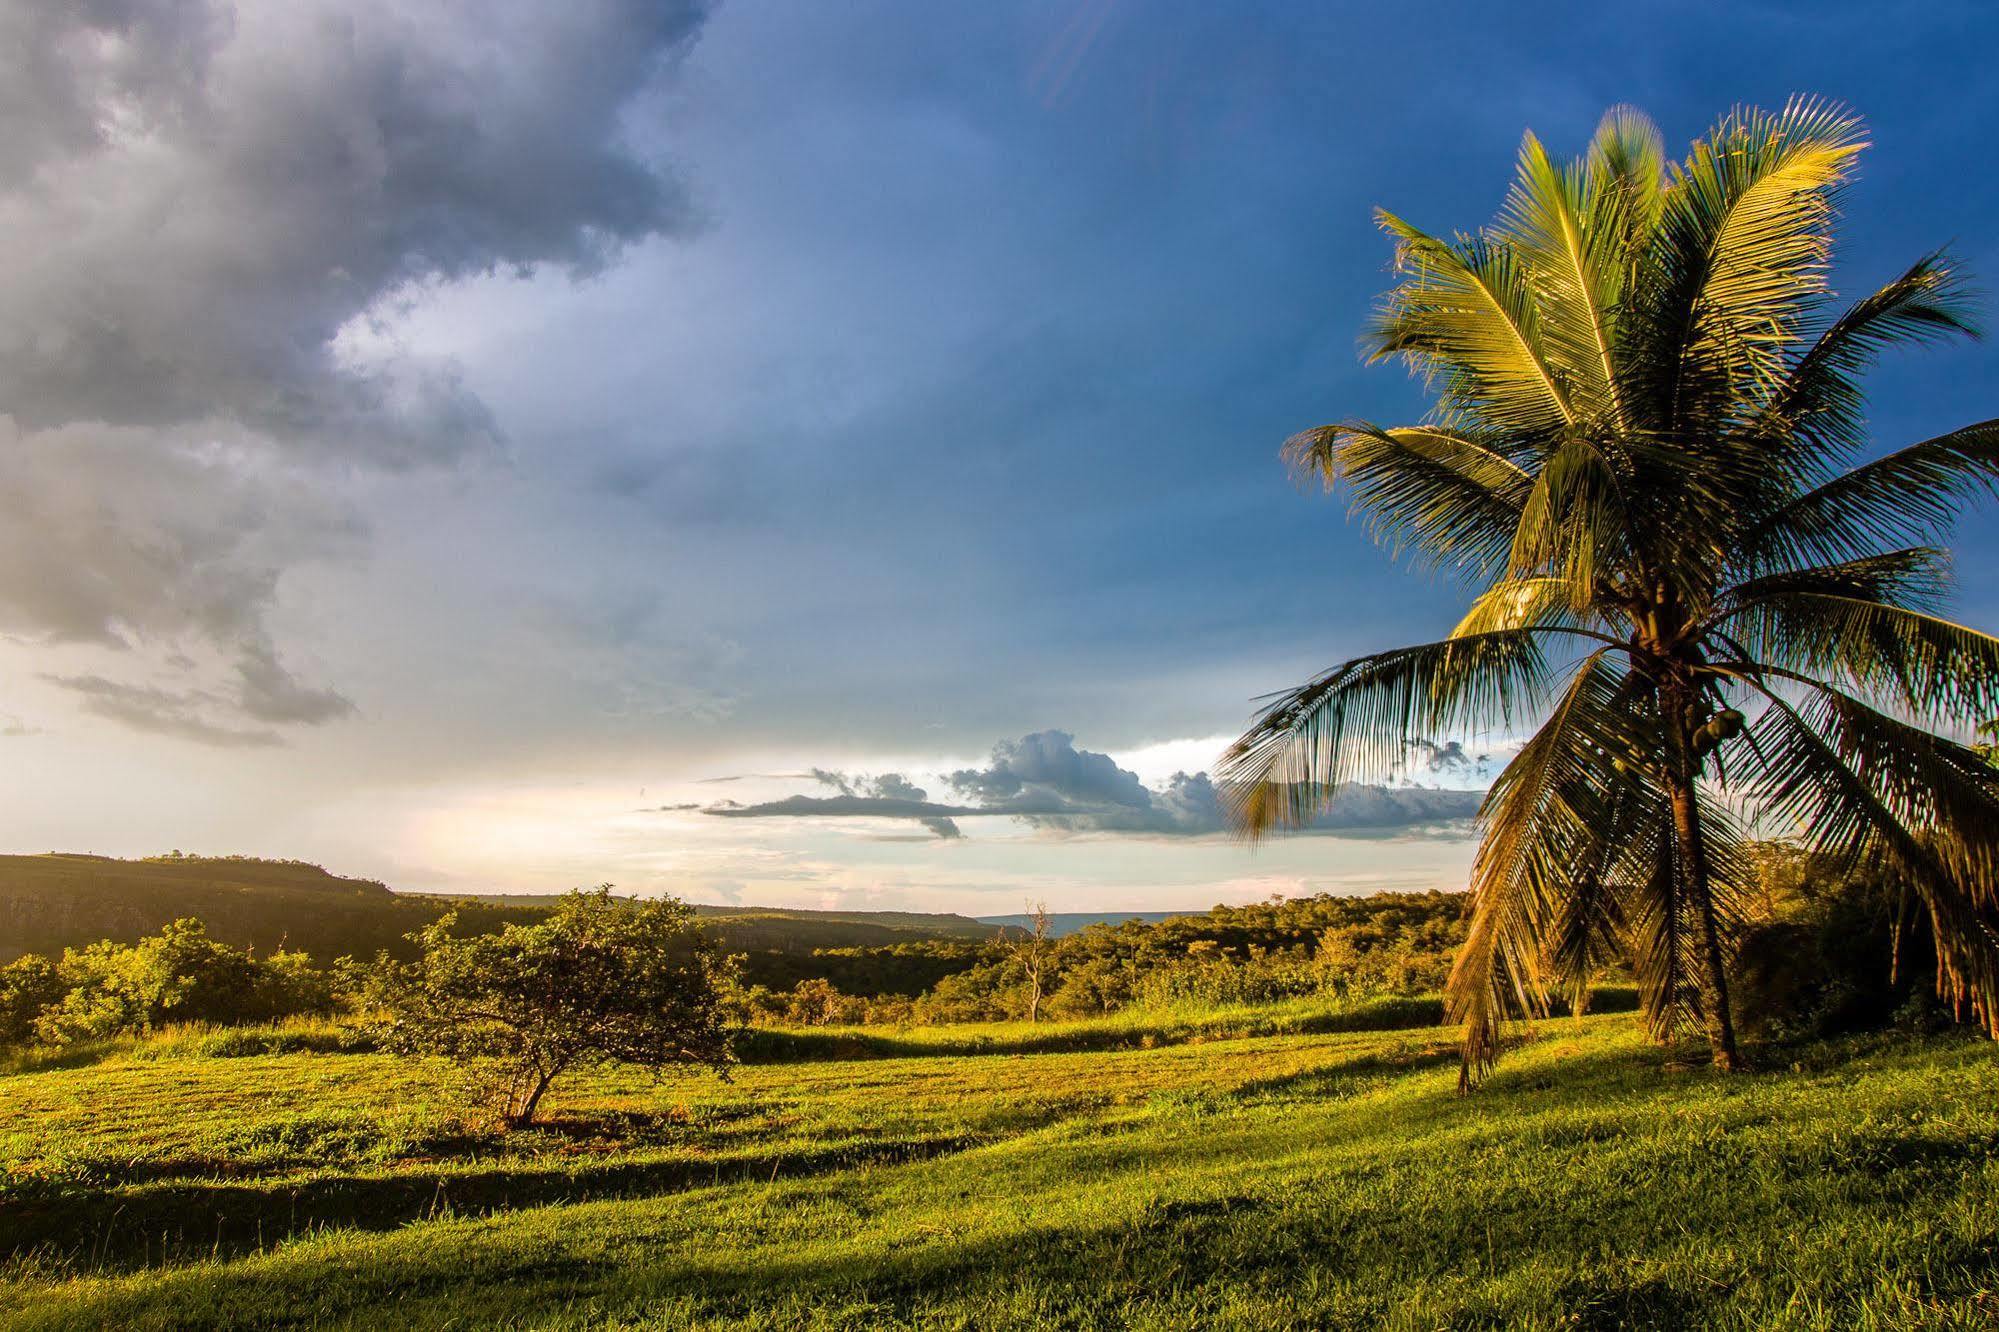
1822	951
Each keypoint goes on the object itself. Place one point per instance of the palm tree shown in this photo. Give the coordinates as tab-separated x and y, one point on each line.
1643	459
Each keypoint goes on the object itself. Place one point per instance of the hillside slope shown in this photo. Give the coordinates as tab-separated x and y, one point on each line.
50	902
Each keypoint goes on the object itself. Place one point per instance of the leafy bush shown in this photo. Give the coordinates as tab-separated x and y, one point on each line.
599	980
179	975
1834	951
28	987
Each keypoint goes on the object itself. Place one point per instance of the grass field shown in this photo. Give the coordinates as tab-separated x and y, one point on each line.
1246	1170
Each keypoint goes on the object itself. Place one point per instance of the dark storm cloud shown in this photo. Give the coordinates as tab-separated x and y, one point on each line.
1049	762
1044	779
117	536
895	786
888	795
211	194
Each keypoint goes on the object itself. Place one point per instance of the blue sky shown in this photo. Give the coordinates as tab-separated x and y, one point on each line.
439	445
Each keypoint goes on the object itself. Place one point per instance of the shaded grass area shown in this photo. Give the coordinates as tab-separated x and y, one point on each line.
145	1159
1132	1029
1274	1181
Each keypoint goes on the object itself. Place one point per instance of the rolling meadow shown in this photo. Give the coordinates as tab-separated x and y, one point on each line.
1301	1164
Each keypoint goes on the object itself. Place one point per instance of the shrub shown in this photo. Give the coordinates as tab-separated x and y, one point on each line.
598	980
28	986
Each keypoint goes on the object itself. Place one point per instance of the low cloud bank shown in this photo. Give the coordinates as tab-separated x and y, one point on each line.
1044	780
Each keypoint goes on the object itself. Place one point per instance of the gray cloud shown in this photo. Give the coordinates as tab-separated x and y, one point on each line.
1448	756
839	781
844	807
217	199
212	192
1044	780
890	795
118	537
161	712
1048	761
269	693
894	786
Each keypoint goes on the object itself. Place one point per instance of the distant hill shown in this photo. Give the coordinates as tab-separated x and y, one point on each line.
50	902
1062	923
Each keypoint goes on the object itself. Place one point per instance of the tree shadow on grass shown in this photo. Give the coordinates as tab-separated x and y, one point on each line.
1324	1248
1338	1079
163	1224
1211	1256
764	1045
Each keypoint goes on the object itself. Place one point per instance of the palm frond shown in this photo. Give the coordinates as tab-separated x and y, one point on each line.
1862	785
1909	497
1573	524
1915	577
1357	721
1664	938
1816	414
1544	819
1464	313
1742	250
1593	919
1627	164
1522	603
1565	225
1449	495
1858	624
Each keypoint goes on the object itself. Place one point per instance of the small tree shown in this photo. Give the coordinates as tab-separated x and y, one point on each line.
1033	955
600	980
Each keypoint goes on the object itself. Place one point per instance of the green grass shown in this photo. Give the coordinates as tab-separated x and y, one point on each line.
1231	1175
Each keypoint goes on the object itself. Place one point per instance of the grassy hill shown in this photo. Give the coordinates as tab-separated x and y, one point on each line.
1216	1179
50	902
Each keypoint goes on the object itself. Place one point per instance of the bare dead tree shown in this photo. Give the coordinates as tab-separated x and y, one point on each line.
1033	954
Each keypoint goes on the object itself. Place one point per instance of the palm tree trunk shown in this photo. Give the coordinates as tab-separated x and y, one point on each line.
1712	977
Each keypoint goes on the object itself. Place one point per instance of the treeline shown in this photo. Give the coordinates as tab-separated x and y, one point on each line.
1387	944
182	975
1816	952
52	902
